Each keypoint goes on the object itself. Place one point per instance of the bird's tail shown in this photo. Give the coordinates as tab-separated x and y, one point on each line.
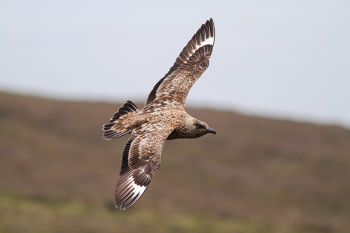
122	122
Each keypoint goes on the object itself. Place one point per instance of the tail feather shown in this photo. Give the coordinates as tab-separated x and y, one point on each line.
129	106
121	122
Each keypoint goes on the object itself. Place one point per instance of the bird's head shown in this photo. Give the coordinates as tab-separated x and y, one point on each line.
200	128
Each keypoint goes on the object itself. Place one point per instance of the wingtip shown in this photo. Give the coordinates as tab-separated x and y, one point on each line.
210	24
128	191
204	36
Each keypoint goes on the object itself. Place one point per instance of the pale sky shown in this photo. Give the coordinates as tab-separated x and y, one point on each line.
286	59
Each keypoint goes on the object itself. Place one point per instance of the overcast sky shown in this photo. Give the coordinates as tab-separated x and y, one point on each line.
276	58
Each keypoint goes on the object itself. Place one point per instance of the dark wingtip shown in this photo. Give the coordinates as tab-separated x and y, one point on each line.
211	25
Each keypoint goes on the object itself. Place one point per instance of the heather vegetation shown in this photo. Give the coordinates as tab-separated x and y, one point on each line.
256	175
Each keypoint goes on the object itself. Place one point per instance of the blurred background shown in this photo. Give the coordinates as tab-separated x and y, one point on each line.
276	91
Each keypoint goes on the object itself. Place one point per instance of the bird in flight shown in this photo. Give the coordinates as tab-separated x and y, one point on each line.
162	118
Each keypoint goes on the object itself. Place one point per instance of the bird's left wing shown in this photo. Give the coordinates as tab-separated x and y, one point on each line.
188	67
141	158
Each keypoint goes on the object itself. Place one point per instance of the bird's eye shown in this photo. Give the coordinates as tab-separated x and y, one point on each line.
199	126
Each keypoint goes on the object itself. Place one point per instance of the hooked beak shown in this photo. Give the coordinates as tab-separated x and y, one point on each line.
210	130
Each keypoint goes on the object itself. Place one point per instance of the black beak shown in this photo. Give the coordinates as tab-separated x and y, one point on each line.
210	130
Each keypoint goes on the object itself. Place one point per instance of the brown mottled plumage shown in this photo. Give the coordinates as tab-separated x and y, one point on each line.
162	118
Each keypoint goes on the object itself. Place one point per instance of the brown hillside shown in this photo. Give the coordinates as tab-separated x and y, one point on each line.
57	174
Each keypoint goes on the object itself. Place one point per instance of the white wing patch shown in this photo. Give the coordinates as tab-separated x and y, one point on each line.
132	193
138	189
207	41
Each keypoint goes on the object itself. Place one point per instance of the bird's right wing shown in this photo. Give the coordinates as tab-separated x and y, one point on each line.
188	67
141	158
